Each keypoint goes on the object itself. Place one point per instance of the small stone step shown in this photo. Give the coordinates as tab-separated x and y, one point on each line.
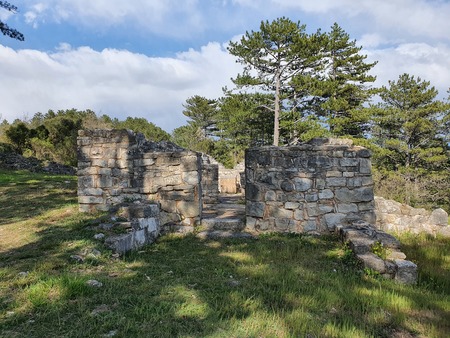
220	234
224	224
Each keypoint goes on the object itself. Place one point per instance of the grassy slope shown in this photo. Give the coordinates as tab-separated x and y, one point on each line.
276	286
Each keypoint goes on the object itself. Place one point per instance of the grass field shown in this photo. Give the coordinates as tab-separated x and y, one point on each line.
276	286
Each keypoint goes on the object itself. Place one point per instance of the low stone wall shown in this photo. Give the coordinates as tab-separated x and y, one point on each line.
396	217
116	166
308	187
14	161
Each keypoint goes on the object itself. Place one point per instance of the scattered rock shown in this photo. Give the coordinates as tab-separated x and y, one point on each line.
23	274
99	236
234	283
110	333
100	309
95	253
77	258
94	283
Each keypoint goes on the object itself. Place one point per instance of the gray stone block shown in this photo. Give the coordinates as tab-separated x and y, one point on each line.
439	217
364	194
189	209
302	184
333	219
406	272
255	209
372	261
120	243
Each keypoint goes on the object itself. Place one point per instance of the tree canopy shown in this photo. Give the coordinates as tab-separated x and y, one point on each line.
272	57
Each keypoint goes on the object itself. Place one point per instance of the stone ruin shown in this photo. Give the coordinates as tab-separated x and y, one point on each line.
309	187
323	186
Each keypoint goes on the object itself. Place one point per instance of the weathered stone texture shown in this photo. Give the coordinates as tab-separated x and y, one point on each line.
309	187
395	217
364	240
117	166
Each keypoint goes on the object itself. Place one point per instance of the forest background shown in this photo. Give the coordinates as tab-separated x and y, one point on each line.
295	86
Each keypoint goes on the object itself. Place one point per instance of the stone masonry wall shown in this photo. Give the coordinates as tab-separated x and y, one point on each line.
116	166
308	187
396	217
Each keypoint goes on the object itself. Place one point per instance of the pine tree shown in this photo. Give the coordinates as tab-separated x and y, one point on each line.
408	122
4	28
344	90
272	58
202	114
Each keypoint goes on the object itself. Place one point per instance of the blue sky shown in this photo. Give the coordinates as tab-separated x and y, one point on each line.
144	58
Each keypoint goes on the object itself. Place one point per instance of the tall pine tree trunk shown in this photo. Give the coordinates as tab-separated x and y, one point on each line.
276	127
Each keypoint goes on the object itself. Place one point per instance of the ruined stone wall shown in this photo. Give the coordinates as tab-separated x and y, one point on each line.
116	166
308	187
396	217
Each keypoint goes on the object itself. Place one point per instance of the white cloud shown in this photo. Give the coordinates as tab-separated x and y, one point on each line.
114	82
399	18
429	62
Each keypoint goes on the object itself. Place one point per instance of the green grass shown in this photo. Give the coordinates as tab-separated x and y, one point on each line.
276	286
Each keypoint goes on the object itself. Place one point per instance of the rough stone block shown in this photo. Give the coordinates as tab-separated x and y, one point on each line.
372	261
311	197
191	177
90	200
349	162
365	166
139	238
278	212
334	173
439	217
299	214
270	196
120	243
364	194
361	245
333	219
188	208
406	272
253	192
255	209
287	186
105	181
326	194
310	225
346	208
137	211
302	184
291	205
336	182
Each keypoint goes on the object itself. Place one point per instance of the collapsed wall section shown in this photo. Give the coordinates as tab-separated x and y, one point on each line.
117	166
308	187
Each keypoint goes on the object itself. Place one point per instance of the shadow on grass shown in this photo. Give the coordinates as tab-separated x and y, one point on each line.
26	195
277	286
